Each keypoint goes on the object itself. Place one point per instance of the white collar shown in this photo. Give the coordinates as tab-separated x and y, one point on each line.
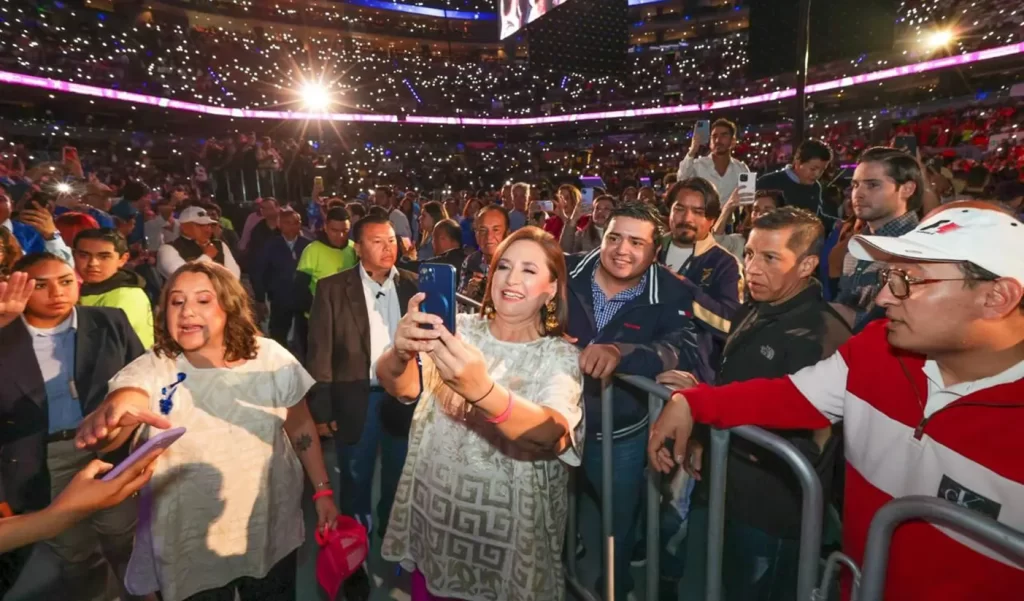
931	371
10	226
71	323
368	281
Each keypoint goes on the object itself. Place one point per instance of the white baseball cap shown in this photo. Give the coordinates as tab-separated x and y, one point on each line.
989	238
196	215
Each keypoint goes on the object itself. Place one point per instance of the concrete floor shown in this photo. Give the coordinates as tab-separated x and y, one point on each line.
391	586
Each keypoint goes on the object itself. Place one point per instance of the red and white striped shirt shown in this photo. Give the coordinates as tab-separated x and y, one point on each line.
904	435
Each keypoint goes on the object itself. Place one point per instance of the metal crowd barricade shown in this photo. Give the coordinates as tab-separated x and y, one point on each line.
810	526
996	536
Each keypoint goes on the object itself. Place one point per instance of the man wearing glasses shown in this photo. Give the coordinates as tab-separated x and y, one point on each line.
931	398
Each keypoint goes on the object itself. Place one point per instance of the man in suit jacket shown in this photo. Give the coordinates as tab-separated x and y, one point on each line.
272	273
353	320
55	361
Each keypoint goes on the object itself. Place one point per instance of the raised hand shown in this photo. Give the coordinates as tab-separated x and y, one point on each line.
14	295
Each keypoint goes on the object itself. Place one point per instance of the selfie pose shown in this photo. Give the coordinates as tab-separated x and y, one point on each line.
499	419
223	512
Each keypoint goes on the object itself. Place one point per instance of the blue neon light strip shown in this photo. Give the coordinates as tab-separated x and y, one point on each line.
450	14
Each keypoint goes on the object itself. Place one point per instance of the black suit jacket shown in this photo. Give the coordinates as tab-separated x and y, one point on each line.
339	354
104	343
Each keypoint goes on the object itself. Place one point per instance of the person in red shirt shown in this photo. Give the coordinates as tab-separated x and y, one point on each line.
931	399
567	198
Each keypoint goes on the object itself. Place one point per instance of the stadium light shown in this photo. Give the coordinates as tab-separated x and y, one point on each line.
315	97
940	38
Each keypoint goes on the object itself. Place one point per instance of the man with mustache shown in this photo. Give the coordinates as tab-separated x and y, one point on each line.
786	327
691	252
930	399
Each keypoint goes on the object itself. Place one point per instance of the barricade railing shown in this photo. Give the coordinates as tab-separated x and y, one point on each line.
998	537
657	395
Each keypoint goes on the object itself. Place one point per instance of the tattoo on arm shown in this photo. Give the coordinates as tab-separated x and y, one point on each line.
303	443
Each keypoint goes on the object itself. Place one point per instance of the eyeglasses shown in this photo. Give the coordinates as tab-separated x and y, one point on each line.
899	281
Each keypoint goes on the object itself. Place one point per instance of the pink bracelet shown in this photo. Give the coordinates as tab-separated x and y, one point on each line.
323	493
504	414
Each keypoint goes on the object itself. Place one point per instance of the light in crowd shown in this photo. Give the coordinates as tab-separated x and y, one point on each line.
63	188
940	38
315	97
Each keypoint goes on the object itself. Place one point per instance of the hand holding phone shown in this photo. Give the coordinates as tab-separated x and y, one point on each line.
160	441
437	282
416	332
747	188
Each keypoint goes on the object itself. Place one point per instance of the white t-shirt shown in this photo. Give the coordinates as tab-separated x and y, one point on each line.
677	256
226	497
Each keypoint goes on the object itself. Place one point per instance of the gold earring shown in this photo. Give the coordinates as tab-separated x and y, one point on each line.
488	310
550	320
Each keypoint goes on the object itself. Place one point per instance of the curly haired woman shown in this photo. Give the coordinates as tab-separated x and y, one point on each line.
224	515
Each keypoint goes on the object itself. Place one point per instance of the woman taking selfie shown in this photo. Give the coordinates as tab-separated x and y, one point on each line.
224	513
481	507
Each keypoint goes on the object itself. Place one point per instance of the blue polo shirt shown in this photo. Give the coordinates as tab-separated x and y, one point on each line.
55	352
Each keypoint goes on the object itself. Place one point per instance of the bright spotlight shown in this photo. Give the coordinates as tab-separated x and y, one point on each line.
940	38
315	97
63	188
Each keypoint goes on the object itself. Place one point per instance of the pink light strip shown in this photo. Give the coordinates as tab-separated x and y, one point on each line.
922	67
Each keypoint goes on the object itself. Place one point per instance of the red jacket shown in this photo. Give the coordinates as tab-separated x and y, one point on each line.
971	452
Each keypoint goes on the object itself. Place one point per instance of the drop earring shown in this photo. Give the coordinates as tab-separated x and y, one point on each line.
550	320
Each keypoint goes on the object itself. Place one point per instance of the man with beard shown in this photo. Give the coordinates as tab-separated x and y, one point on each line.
719	167
786	327
888	189
930	400
690	251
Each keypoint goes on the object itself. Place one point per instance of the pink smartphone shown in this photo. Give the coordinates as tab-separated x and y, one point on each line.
160	441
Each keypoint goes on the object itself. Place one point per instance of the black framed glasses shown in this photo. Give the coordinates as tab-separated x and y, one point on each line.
900	281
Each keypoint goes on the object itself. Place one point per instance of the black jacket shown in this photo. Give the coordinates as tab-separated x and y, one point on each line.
272	272
455	257
104	343
771	341
655	332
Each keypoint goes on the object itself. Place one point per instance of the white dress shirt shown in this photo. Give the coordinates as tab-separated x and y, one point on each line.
158	234
168	260
54	246
401	224
383	312
704	167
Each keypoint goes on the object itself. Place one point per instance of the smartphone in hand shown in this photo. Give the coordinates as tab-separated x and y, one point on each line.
161	441
703	131
437	282
747	187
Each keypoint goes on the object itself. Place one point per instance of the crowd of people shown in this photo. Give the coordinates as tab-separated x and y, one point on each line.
270	330
269	67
